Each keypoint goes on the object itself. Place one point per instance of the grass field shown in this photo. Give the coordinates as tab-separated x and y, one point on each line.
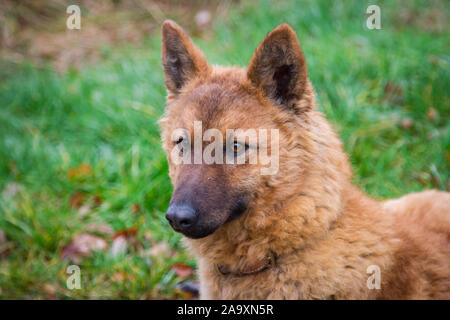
80	151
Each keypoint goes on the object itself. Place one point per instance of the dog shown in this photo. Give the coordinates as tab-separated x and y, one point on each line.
304	231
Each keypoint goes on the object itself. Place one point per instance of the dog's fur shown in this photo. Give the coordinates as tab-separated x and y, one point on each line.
324	231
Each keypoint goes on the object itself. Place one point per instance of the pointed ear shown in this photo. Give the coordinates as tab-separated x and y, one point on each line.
182	60
278	67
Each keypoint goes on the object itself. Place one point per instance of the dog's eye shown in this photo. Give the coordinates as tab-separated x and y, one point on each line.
239	148
180	143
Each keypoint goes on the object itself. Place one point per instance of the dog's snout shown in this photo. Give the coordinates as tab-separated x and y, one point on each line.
181	217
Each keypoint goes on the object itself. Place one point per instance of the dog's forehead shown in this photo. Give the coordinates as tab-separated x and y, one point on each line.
222	101
218	104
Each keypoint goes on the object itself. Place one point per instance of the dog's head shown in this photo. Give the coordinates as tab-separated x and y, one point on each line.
264	100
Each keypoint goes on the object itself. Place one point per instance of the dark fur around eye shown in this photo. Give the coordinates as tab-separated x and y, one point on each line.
180	139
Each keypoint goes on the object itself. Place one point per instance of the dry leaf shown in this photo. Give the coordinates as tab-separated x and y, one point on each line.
49	289
432	114
118	276
121	276
98	201
182	269
135	208
130	232
203	18
100	228
119	246
83	171
84	209
77	199
82	245
124	239
393	93
11	189
148	237
406	123
422	177
187	289
160	249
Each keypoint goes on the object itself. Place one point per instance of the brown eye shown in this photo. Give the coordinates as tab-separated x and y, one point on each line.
180	143
239	148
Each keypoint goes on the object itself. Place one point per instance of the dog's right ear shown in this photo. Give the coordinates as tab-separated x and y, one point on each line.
278	67
182	60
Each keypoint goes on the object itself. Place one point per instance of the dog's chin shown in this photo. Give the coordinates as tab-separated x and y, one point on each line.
200	233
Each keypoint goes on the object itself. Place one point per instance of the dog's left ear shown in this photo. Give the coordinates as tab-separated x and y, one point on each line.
278	67
182	60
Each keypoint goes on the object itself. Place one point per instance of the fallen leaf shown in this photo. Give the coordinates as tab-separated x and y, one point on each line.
135	208
49	289
203	18
84	209
77	199
187	289
11	189
81	246
130	232
118	276
83	171
406	123
101	228
182	269
393	93
121	276
119	246
435	176
98	201
160	249
124	239
422	177
432	114
148	237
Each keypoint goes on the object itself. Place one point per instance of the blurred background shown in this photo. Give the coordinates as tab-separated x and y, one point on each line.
83	179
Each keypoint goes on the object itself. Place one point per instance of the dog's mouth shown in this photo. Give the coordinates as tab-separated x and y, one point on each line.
197	234
204	226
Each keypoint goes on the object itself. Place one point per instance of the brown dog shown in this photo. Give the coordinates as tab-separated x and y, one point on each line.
304	232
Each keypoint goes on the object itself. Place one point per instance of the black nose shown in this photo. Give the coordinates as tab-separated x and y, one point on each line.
181	217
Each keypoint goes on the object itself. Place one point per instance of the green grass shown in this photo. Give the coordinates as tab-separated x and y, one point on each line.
106	116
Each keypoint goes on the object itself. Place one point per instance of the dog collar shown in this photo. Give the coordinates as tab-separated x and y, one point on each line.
263	265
